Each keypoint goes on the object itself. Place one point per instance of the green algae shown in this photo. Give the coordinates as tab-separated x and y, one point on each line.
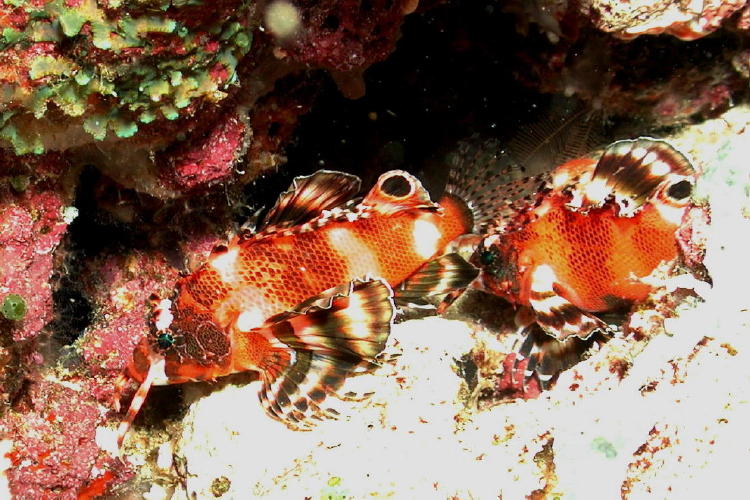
170	69
14	307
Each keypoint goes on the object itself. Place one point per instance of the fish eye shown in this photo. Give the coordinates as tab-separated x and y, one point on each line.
165	340
397	186
680	190
486	257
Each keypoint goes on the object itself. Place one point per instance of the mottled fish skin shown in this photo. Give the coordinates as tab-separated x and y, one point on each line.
603	225
309	299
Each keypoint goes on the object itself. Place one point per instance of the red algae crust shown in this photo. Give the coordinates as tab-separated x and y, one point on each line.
55	453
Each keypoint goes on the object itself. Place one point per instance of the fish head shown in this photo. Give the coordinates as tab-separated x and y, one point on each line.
499	269
184	341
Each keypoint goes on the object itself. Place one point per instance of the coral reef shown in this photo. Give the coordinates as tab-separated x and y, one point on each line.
163	78
35	211
117	70
120	296
137	135
627	20
55	452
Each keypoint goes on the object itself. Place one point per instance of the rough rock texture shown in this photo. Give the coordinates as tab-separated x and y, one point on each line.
34	213
35	198
170	80
55	452
582	55
684	20
120	296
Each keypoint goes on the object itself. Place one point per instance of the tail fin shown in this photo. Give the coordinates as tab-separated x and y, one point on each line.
332	337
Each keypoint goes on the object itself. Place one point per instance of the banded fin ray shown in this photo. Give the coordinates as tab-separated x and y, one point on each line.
548	357
331	338
634	170
494	187
138	399
308	196
445	274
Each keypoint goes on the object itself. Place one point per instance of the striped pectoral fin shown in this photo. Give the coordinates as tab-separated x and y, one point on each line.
335	336
547	356
297	396
449	274
555	314
561	319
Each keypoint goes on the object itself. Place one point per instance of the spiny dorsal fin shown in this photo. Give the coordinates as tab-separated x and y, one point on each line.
491	184
634	170
396	191
563	135
330	338
309	195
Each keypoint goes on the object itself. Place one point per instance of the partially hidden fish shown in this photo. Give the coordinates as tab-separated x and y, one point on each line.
308	300
587	240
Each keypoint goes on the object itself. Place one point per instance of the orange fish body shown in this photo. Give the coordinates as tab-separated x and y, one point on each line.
597	257
316	279
588	242
271	275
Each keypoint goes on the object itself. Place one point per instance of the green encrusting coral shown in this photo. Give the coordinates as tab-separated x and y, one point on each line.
14	307
117	69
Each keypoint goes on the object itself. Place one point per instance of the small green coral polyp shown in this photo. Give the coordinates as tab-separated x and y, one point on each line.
14	307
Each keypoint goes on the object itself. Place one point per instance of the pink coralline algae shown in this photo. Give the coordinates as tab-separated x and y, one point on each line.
120	287
33	200
55	453
347	35
513	383
208	160
172	82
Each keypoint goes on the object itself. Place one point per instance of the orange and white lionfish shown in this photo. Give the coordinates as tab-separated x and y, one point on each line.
308	299
584	240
